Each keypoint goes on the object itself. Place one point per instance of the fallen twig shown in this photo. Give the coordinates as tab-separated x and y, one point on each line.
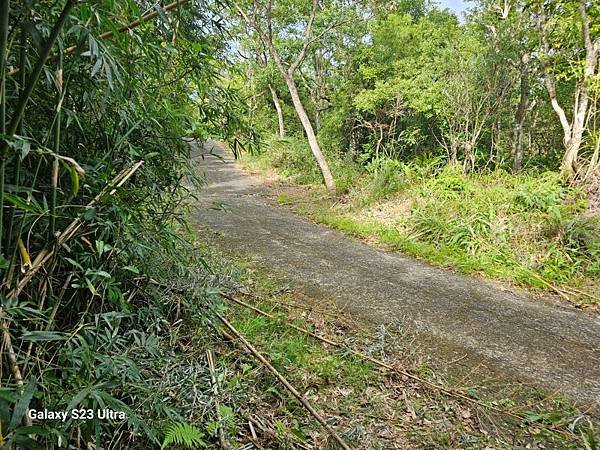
251	349
403	372
213	378
560	292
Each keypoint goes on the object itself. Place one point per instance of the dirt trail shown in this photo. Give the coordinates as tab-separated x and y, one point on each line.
552	346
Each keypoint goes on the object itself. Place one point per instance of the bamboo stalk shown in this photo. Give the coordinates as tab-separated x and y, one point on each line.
4	13
52	212
35	75
58	301
215	389
12	357
21	129
55	167
251	349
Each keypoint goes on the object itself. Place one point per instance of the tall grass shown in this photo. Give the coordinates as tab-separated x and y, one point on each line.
513	225
292	158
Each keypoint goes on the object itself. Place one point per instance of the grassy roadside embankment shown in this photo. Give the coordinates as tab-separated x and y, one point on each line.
368	406
529	229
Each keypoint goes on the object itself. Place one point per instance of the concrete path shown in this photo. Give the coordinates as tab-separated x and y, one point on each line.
556	347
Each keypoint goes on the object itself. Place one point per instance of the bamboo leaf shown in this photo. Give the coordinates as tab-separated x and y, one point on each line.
42	336
96	67
161	13
23	405
25	205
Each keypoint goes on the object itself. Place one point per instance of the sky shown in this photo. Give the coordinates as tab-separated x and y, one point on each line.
458	6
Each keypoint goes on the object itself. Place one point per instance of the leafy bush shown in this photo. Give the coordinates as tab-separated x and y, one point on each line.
294	159
386	176
579	238
543	192
95	326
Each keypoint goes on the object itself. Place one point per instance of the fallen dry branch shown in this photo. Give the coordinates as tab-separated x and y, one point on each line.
270	316
251	349
403	372
215	390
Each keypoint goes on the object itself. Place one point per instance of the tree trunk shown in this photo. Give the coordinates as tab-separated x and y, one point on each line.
517	148
469	162
573	132
278	109
288	75
310	132
453	152
569	162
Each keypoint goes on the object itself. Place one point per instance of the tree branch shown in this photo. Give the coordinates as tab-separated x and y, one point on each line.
585	28
266	40
549	77
307	40
269	20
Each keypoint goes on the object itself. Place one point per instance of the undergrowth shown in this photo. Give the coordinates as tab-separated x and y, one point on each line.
92	315
369	407
529	228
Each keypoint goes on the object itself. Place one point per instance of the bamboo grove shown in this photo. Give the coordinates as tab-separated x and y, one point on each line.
95	100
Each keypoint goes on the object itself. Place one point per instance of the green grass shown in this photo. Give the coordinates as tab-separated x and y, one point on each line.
292	158
529	229
362	402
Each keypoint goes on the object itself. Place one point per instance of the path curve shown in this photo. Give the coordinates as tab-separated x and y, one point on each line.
556	347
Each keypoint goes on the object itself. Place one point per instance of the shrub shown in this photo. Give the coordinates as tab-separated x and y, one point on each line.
543	192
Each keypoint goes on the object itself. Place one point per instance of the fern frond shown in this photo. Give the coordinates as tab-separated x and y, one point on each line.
180	433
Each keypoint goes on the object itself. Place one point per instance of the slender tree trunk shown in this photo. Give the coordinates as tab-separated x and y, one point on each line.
278	109
453	152
569	161
517	149
573	132
287	72
310	132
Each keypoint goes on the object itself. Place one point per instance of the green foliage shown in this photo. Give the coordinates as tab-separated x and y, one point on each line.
407	79
293	158
525	228
509	226
543	193
386	177
183	434
96	325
